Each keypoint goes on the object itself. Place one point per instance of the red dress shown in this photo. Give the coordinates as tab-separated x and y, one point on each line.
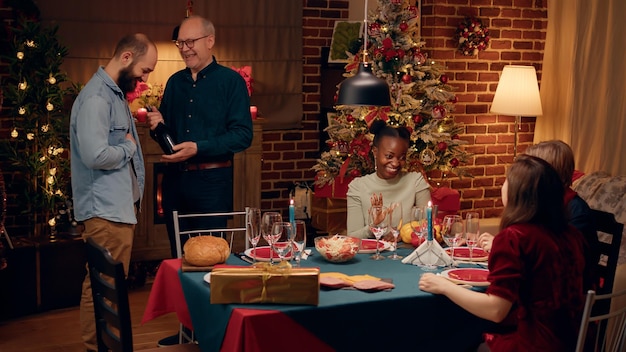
542	274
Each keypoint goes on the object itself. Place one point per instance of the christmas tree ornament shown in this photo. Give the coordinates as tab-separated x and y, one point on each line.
23	85
52	79
21	110
30	136
14	133
20	55
427	156
49	106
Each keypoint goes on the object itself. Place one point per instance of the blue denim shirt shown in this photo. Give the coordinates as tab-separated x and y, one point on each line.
101	155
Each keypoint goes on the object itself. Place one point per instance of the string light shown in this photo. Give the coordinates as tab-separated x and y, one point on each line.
30	136
14	133
21	110
49	106
20	55
52	79
22	85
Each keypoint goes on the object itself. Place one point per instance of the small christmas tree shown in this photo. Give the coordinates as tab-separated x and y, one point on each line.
421	101
35	95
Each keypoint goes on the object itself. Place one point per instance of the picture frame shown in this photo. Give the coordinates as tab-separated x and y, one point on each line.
345	34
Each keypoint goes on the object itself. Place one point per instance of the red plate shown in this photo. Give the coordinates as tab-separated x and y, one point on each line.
369	246
463	253
470	276
263	254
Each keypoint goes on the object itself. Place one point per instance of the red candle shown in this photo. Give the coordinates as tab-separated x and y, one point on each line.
141	115
253	112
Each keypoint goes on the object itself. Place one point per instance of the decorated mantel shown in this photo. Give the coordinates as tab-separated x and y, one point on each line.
421	101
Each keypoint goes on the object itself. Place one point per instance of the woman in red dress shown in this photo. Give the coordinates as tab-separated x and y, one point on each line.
535	268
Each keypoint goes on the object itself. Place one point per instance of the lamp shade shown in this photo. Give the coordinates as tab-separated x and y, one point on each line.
517	93
364	88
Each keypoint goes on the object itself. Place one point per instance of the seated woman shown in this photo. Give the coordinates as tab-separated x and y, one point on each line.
535	266
389	182
558	154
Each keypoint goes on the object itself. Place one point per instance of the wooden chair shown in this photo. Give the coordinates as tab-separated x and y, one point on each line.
110	298
609	251
238	218
602	339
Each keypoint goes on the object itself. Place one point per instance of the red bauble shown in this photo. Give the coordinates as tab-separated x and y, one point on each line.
456	136
350	118
417	119
454	100
408	128
406	78
404	26
443	79
442	146
454	162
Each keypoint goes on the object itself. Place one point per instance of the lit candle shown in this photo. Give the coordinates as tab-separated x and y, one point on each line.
142	113
292	212
253	112
429	220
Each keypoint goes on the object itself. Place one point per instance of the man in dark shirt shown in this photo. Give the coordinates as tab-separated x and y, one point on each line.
206	106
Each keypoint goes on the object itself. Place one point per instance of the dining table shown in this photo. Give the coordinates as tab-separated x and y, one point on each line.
344	319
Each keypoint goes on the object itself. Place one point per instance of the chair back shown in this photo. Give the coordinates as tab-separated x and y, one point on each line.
602	332
610	238
110	299
236	220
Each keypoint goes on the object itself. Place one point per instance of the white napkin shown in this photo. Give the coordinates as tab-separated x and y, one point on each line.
428	253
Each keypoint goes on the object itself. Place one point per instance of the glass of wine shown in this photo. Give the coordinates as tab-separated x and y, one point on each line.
267	224
395	224
452	232
298	240
281	238
418	223
253	230
472	231
378	224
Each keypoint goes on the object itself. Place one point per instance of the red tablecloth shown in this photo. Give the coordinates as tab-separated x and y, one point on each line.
249	330
167	295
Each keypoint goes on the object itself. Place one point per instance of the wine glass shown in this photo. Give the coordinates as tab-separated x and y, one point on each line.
452	232
281	238
472	231
395	224
378	223
253	231
298	240
419	221
267	224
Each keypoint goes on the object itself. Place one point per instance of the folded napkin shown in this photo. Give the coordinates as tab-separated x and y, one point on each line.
360	282
428	253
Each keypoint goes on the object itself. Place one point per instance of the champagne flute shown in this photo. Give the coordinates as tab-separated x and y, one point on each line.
395	224
281	238
452	232
378	223
472	231
253	231
419	221
298	240
267	224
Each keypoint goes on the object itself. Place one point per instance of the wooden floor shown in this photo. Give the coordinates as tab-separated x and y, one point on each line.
59	330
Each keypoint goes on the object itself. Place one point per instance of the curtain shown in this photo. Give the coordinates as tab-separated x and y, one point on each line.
583	83
263	34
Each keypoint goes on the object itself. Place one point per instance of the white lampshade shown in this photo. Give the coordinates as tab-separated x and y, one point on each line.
517	93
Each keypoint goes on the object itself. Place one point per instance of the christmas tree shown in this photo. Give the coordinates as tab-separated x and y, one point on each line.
421	100
36	94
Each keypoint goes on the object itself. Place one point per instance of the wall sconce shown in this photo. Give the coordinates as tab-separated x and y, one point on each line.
517	95
364	88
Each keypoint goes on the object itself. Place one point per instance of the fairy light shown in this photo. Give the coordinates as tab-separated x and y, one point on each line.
14	133
20	55
50	180
52	222
49	106
22	85
53	171
52	79
30	136
45	128
21	110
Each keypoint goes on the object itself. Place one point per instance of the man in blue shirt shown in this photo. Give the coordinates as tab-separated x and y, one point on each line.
108	172
206	106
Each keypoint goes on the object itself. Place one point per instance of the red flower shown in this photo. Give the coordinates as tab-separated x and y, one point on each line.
387	43
139	88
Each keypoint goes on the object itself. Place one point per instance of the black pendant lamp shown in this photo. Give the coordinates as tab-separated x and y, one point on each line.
364	88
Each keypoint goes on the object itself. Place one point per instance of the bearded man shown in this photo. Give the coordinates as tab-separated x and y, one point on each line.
108	171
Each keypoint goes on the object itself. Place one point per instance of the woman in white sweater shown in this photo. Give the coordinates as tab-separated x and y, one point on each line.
389	182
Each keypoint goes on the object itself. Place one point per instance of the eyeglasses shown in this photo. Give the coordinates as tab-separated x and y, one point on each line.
189	42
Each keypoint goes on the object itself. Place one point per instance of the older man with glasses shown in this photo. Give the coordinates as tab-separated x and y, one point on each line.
206	106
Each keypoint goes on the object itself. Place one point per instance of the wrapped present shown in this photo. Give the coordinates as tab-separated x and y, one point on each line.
447	200
337	189
329	214
265	284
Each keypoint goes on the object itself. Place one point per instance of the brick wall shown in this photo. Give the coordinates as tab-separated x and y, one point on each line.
518	30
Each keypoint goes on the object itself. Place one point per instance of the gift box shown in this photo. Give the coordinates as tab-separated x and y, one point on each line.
265	284
329	215
337	189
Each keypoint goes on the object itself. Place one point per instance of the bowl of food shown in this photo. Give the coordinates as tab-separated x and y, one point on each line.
337	248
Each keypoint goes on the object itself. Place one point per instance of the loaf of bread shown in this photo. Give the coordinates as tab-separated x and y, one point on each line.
206	250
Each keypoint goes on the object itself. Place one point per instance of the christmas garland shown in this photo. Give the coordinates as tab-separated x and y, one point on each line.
472	36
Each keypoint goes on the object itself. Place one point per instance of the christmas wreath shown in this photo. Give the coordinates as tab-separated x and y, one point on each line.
472	36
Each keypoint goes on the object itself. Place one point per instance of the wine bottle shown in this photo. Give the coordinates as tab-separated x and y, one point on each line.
162	135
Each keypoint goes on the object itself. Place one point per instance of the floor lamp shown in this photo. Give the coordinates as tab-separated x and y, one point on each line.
517	95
